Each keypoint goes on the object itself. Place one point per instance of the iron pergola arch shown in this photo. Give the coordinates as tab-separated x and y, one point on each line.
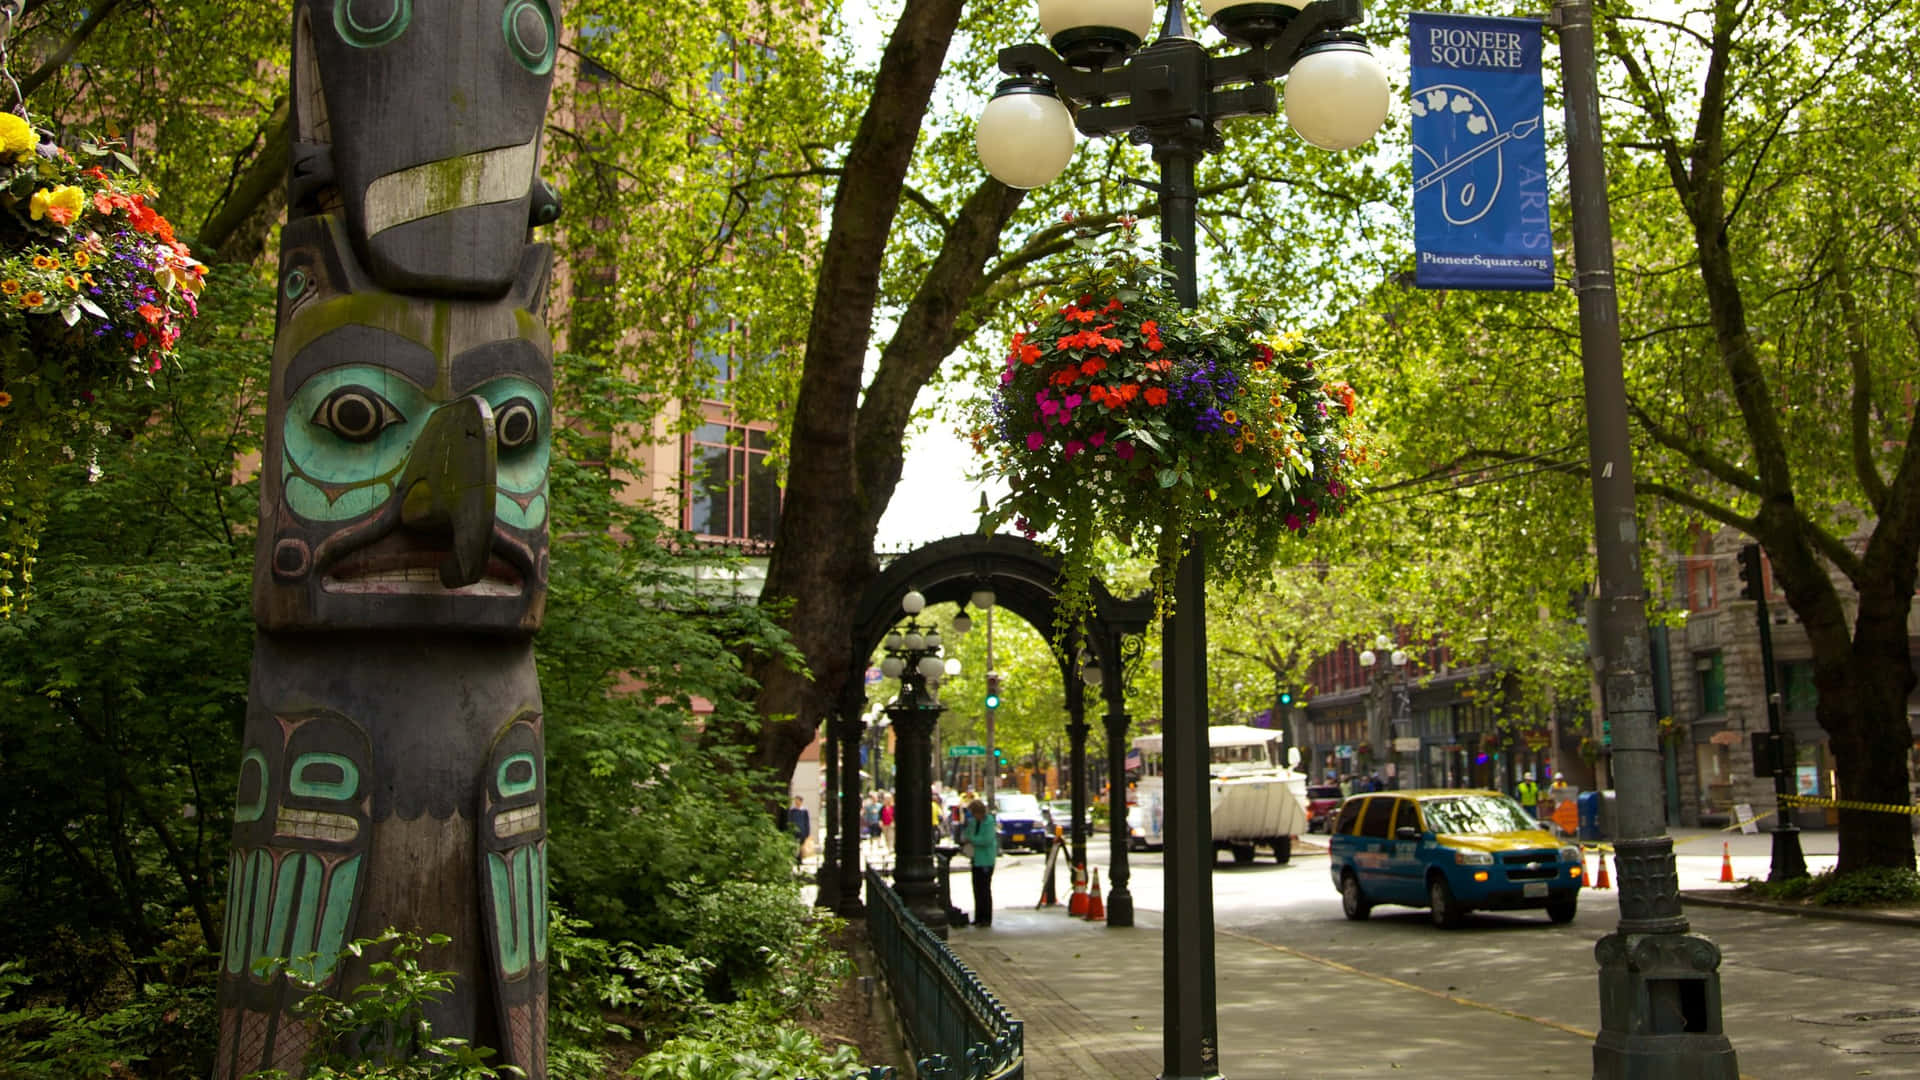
1025	579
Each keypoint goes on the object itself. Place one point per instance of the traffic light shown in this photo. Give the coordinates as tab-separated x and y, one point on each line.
993	690
1750	574
1286	697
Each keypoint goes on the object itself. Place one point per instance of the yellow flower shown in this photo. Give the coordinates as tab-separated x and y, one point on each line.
61	204
42	262
33	299
6	399
10	287
82	260
73	283
16	135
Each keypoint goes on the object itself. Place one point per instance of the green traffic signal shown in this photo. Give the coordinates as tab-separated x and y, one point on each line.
1286	697
993	701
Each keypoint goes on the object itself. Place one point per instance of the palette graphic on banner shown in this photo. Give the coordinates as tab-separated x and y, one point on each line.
1480	217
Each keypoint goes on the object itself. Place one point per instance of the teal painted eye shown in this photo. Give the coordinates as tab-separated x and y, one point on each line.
296	283
356	414
528	27
517	423
366	24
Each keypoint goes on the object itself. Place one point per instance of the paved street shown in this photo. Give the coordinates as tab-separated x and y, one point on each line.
1305	993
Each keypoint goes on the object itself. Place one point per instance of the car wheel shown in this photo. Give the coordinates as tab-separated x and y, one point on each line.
1283	850
1242	854
1562	911
1447	911
1352	900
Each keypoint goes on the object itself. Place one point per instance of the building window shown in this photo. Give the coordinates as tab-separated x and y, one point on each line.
731	491
1797	691
1710	681
1702	592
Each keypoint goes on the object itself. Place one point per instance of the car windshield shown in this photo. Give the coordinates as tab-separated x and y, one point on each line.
1475	814
1323	792
1016	804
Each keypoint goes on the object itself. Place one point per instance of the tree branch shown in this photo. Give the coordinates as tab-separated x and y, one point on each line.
1706	460
1861	409
67	48
256	190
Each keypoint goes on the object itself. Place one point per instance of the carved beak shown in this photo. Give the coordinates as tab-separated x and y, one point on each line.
448	484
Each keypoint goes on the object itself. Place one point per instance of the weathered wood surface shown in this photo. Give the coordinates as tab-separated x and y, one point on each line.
393	769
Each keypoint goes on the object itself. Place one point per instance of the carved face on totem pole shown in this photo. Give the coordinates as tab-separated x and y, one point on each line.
421	120
409	424
405	478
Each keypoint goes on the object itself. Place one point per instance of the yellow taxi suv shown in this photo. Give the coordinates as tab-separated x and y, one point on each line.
1452	852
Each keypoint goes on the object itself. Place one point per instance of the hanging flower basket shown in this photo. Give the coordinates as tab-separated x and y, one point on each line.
1120	414
94	290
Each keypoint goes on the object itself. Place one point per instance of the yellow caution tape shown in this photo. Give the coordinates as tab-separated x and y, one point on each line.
1849	804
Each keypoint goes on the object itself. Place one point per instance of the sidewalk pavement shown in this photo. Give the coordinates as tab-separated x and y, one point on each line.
1090	998
1090	995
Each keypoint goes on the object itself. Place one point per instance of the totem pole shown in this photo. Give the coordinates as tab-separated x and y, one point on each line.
393	771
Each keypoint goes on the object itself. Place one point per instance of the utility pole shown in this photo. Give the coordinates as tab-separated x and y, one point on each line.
1659	983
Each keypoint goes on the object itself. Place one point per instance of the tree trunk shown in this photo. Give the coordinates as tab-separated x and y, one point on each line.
845	455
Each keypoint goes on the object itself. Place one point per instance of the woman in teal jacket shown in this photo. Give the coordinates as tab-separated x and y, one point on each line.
982	830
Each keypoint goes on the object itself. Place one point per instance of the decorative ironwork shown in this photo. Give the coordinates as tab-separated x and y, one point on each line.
955	1025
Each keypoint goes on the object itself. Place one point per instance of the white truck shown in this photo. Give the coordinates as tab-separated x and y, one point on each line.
1256	800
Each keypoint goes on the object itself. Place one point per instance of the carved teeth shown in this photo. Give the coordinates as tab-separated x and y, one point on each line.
417	579
514	822
315	825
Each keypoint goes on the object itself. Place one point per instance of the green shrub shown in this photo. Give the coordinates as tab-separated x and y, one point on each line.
1873	886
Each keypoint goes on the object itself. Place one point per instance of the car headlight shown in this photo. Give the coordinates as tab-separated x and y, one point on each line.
1570	854
1473	858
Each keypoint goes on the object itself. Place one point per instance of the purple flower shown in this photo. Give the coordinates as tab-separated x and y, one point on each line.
1073	401
1074	446
1293	522
1124	449
1209	421
1006	377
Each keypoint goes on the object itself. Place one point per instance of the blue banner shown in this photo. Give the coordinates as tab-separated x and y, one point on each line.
1479	155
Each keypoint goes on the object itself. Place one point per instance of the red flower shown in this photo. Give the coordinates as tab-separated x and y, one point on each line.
1156	395
154	315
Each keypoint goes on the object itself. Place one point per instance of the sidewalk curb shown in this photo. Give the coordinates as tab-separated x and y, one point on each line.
1884	918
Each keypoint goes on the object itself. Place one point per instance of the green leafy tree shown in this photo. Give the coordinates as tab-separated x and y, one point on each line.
1760	159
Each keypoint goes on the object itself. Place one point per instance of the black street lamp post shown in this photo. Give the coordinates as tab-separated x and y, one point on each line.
913	657
1172	96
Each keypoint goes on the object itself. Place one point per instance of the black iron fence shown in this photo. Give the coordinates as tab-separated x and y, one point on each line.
956	1028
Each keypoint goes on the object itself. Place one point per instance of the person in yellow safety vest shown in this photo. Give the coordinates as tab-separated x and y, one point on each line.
1528	792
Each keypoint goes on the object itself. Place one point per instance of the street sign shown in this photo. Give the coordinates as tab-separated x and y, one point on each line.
966	751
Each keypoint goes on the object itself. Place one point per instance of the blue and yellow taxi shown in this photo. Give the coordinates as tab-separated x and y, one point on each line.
1451	851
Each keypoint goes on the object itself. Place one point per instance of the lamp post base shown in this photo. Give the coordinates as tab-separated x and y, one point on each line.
1660	1009
1789	862
1119	907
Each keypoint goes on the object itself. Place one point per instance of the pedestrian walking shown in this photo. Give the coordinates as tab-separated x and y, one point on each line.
980	842
1528	792
800	824
870	817
886	821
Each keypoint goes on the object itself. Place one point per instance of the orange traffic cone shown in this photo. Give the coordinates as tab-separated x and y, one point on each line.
1096	908
1585	874
1605	882
1726	863
1077	905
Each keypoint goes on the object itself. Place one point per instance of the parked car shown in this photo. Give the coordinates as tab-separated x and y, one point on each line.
1323	800
1450	851
1060	812
1021	823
